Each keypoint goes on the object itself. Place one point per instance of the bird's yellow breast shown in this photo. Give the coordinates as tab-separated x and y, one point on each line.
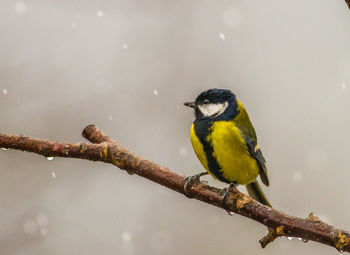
198	149
230	152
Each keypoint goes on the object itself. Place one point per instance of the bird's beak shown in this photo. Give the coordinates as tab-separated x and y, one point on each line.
191	104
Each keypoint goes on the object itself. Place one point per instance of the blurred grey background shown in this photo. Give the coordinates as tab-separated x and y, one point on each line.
127	66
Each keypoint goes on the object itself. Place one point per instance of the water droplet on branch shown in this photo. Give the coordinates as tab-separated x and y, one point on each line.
66	148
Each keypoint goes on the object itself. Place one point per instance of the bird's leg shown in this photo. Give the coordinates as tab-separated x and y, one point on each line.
224	196
190	180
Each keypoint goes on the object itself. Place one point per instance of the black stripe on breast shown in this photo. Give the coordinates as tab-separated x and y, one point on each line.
202	130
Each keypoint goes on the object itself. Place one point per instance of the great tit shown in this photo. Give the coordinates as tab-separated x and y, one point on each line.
225	141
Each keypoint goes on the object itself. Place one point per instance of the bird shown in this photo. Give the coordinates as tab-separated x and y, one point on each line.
225	142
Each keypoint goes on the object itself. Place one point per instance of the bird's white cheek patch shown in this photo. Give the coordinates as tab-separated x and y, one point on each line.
212	109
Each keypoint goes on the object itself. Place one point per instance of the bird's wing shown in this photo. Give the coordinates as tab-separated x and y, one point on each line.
255	151
247	130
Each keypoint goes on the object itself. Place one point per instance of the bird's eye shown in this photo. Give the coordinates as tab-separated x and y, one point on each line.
206	101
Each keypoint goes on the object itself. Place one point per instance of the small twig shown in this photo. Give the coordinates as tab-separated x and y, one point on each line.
270	237
106	150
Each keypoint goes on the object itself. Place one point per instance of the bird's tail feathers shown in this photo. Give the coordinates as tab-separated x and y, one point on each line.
255	191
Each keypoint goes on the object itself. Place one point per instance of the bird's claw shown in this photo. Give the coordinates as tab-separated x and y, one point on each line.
224	196
189	181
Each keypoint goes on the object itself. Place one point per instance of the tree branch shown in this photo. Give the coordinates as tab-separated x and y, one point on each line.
348	3
106	150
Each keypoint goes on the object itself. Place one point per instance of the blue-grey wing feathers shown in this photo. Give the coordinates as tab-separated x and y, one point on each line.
254	150
256	153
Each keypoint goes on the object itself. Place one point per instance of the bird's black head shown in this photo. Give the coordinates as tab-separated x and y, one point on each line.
218	104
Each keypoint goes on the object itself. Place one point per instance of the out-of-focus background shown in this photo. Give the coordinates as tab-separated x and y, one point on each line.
127	66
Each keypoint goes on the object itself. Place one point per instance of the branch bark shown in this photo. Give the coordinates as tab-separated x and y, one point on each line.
104	149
